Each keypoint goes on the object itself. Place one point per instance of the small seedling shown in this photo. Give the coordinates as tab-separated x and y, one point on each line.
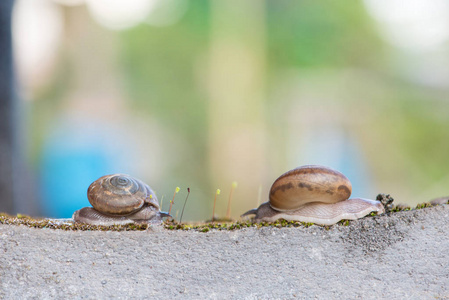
173	200
162	201
228	211
423	205
188	193
259	196
215	200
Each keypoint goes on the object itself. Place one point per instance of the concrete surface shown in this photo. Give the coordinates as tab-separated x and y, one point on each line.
401	256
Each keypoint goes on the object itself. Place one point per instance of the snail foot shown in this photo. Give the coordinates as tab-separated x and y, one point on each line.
91	216
249	212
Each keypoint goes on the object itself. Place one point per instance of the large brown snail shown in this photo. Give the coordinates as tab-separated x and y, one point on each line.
119	199
313	194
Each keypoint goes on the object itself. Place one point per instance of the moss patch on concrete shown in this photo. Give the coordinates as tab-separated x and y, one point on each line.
69	225
169	225
65	224
219	224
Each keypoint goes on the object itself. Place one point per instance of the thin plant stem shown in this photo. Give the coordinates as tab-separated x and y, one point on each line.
215	201
188	193
228	211
162	201
173	200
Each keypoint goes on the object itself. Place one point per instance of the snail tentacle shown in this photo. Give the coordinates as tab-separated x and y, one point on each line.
164	214
250	212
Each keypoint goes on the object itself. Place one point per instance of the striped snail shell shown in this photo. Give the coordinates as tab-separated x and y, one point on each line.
315	194
119	199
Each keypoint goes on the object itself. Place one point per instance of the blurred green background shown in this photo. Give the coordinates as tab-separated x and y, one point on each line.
203	93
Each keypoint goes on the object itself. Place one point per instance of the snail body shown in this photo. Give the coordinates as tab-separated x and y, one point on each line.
313	194
119	199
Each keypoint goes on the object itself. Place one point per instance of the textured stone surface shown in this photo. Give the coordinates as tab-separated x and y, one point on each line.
403	255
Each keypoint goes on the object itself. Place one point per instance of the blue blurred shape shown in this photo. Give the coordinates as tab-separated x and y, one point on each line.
73	157
335	148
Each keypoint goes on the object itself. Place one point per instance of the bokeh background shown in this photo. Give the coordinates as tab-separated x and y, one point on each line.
199	94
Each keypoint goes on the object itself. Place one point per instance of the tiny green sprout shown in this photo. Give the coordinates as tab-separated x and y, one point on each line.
400	207
185	202
173	200
215	201
259	196
228	211
162	201
423	205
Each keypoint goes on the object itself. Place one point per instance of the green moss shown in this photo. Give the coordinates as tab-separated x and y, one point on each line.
308	224
206	227
423	205
68	226
20	219
400	208
344	223
169	225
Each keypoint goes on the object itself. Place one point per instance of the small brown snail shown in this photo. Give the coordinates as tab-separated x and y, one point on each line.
119	199
313	194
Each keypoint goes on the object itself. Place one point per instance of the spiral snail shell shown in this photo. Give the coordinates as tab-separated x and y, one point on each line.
315	194
119	199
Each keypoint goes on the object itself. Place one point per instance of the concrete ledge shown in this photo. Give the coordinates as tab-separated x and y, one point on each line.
404	255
